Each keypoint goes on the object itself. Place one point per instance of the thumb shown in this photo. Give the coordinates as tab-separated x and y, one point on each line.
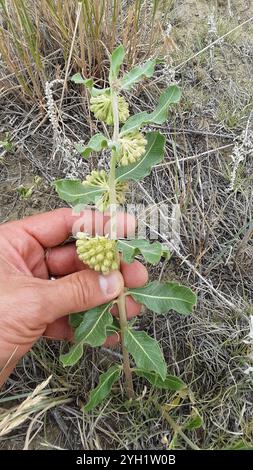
81	291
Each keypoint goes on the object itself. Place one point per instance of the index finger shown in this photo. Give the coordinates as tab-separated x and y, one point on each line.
53	228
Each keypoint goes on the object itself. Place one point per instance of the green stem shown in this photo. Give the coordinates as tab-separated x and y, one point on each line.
113	235
177	429
126	360
112	186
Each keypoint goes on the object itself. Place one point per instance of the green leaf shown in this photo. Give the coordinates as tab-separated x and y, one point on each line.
195	421
164	297
171	382
103	388
96	144
170	96
137	73
98	91
166	252
113	328
154	154
151	252
77	78
117	58
92	329
146	351
73	356
75	319
88	83
74	192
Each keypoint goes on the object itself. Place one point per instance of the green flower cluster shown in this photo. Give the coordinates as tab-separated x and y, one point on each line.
101	106
96	178
98	253
132	147
100	178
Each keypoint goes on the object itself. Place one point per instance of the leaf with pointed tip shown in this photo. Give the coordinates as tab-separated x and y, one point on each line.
73	356
75	193
146	351
151	252
88	83
162	297
170	96
137	73
117	58
104	387
171	382
96	144
153	154
92	329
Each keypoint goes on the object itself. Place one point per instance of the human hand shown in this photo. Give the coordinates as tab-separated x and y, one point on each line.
32	305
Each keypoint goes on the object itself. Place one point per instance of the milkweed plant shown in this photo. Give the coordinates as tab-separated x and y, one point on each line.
133	154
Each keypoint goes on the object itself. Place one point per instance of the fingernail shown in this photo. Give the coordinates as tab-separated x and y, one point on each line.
111	284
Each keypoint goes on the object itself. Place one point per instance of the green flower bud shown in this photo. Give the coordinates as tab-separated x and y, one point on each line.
97	178
101	106
98	253
100	178
132	147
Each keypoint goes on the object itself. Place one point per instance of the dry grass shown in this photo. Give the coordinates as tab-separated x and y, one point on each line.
208	350
38	38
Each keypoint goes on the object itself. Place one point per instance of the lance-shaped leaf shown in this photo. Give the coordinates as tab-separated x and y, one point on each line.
153	154
103	388
164	297
170	96
137	73
151	252
171	382
117	58
73	356
146	351
88	83
92	329
74	192
96	144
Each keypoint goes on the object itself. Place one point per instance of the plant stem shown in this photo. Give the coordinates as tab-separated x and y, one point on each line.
113	235
112	191
177	429
126	360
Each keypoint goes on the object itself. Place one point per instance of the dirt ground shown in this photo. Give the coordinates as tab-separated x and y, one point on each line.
209	350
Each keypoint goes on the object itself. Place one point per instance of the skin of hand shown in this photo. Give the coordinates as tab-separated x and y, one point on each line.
31	303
